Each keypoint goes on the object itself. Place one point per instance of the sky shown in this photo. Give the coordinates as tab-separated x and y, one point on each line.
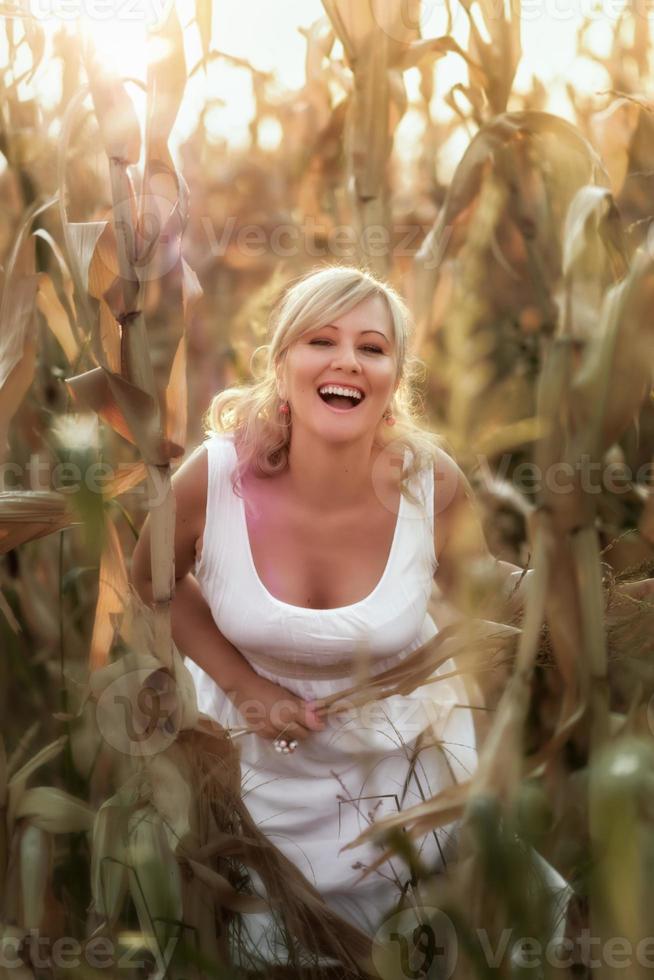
265	32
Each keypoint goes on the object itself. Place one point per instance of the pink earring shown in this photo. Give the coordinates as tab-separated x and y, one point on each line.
388	417
284	408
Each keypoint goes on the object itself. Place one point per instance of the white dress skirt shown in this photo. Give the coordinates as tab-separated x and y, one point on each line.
364	764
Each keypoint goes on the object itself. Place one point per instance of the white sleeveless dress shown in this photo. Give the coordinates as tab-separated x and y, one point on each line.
364	764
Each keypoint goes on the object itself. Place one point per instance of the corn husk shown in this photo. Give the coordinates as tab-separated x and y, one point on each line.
154	881
35	870
110	858
54	811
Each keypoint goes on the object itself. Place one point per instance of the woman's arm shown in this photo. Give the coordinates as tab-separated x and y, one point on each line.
271	708
464	559
463	554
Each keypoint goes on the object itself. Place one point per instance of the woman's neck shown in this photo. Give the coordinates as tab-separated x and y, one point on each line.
330	475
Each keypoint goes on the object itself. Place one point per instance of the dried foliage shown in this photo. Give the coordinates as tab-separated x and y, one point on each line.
530	276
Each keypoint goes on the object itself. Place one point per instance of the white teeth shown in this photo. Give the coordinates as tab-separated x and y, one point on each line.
337	390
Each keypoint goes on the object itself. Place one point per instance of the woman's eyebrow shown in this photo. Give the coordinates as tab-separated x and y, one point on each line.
367	330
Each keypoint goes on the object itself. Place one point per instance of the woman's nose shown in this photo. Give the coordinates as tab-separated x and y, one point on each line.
346	358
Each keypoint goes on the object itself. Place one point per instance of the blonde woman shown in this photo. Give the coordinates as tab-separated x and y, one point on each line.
310	526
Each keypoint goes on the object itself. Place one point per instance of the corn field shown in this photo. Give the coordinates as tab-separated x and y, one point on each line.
530	276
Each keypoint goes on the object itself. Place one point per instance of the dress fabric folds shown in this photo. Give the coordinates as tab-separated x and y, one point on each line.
366	762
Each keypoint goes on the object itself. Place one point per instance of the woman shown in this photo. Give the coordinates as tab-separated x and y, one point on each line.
310	526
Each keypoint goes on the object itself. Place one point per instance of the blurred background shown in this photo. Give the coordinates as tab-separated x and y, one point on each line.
165	169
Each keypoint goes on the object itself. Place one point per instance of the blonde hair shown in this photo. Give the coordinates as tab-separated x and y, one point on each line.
252	412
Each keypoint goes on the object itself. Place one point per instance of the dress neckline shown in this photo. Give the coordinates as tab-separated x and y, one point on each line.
312	609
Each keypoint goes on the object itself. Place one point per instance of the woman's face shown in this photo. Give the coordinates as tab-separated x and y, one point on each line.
339	379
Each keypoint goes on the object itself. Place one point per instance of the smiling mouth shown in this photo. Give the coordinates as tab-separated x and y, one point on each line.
342	403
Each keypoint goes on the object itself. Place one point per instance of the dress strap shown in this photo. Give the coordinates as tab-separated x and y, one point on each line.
217	522
422	486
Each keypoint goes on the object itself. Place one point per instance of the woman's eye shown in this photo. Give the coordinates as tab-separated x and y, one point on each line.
325	342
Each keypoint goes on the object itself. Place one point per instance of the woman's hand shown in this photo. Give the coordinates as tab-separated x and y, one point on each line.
272	711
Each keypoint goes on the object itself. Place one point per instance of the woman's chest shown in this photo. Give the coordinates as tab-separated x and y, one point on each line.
319	560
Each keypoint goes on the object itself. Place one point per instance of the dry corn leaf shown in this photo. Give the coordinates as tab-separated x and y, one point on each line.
177	397
170	793
166	80
108	338
14	625
19	778
128	477
35	869
16	322
426	51
616	375
369	137
162	186
351	22
4	774
142	414
17	341
114	110
109	858
104	270
320	41
63	284
500	55
613	130
17	304
92	391
15	387
29	514
56	317
203	12
113	587
83	237
501	759
155	880
34	38
53	810
24	744
593	257
509	129
191	290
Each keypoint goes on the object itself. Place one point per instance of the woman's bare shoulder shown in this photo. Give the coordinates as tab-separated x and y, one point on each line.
452	495
449	480
190	488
